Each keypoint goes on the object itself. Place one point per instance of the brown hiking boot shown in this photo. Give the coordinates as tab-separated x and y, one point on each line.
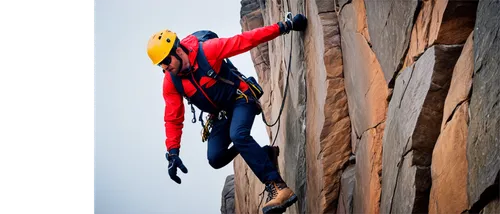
273	152
279	197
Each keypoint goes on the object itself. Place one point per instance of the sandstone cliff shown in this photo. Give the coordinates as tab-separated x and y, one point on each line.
392	105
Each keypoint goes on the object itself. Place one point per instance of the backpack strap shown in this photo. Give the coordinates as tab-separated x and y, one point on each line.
254	86
231	65
178	84
205	66
207	70
203	63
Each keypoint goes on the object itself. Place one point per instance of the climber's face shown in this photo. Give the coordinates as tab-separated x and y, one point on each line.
173	65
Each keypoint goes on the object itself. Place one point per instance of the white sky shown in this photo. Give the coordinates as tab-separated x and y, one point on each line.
130	167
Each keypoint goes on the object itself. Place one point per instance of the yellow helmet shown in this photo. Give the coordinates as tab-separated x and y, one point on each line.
160	44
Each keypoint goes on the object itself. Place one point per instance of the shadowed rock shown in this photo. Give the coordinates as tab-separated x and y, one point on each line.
227	204
347	181
449	162
483	142
412	127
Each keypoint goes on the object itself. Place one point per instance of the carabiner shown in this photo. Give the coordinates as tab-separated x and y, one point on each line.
289	16
222	114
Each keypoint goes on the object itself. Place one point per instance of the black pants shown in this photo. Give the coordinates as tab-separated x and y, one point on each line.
236	128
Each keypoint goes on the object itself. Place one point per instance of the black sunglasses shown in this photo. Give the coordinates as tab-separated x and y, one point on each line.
166	61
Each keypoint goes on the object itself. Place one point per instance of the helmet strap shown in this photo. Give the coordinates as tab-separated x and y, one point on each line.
181	73
180	60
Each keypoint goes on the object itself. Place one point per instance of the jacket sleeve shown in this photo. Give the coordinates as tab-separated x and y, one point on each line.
221	48
174	114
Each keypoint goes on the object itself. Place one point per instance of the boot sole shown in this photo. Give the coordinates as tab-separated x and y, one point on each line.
280	208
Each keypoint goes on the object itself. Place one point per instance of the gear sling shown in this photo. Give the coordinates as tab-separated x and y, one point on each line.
228	80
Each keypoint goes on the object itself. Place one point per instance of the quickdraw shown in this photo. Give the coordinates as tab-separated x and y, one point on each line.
207	127
205	131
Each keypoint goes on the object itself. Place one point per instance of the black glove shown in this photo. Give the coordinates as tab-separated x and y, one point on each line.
298	23
175	161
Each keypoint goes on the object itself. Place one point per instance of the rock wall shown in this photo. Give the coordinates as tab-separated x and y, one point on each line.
227	202
392	105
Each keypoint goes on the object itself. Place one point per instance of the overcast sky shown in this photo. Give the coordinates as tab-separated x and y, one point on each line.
130	167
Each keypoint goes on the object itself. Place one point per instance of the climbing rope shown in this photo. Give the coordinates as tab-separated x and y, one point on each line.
286	90
288	16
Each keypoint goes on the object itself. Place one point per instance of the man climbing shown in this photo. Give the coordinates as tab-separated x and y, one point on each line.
198	71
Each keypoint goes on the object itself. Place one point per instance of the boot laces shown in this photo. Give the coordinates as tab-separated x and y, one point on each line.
272	191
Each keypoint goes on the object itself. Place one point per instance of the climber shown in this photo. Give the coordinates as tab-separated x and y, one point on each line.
227	98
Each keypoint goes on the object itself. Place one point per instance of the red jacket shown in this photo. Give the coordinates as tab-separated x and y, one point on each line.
215	51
